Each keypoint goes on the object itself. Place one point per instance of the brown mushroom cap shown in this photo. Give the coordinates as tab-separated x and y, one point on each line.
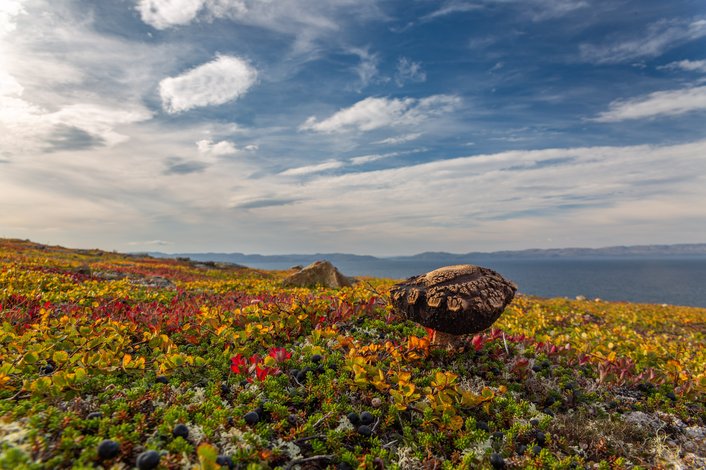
458	300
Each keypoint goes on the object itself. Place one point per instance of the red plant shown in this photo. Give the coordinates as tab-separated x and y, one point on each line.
280	354
236	363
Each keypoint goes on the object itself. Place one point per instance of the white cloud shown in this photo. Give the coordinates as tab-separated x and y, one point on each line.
91	85
687	65
400	139
658	38
409	71
217	149
537	10
151	243
660	103
296	18
451	7
222	80
163	14
374	113
310	169
367	68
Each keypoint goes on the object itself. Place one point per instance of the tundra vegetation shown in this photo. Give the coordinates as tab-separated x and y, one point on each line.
121	361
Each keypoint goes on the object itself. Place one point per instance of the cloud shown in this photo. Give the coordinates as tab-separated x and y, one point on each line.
687	65
224	79
178	166
400	139
537	10
163	14
309	169
294	18
264	202
660	103
452	7
151	243
65	137
218	149
374	113
367	68
658	38
409	71
91	85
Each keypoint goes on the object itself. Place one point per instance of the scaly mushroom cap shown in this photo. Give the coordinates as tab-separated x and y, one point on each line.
458	300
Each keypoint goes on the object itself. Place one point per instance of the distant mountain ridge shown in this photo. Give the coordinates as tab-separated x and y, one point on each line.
637	251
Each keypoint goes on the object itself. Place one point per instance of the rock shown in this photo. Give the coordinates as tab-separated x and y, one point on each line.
456	300
580	297
319	273
297	267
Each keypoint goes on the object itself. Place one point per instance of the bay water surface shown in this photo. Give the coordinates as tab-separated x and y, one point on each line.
674	281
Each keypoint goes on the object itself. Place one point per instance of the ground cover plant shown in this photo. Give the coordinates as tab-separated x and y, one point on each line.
117	361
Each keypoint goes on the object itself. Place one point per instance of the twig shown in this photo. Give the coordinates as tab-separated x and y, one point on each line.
308	459
322	419
505	343
389	444
308	438
376	424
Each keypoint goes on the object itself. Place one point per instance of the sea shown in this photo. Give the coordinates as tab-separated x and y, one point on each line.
672	281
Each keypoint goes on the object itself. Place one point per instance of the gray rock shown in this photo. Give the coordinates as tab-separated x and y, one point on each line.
456	300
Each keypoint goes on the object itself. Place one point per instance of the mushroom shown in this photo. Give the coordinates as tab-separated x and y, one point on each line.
453	300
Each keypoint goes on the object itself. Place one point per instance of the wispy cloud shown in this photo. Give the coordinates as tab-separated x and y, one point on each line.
374	113
660	103
537	10
686	65
409	71
367	68
451	7
400	139
658	38
296	18
310	169
151	243
222	80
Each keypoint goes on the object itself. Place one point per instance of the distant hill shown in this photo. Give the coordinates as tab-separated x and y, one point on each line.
285	260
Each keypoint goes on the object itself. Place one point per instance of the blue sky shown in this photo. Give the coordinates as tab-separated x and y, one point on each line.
372	127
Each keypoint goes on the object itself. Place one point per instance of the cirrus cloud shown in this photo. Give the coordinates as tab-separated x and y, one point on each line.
660	103
375	113
217	82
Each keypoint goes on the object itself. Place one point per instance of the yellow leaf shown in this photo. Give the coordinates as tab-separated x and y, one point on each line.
60	357
126	360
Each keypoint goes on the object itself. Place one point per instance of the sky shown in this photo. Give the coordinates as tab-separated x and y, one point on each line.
359	126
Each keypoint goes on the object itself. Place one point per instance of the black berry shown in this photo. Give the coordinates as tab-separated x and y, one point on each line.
317	358
252	418
225	461
497	461
108	449
161	379
353	418
94	415
366	418
148	460
180	430
365	430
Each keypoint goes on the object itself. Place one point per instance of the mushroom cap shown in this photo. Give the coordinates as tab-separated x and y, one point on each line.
458	300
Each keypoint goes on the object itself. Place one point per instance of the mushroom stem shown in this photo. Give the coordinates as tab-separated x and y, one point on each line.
441	339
